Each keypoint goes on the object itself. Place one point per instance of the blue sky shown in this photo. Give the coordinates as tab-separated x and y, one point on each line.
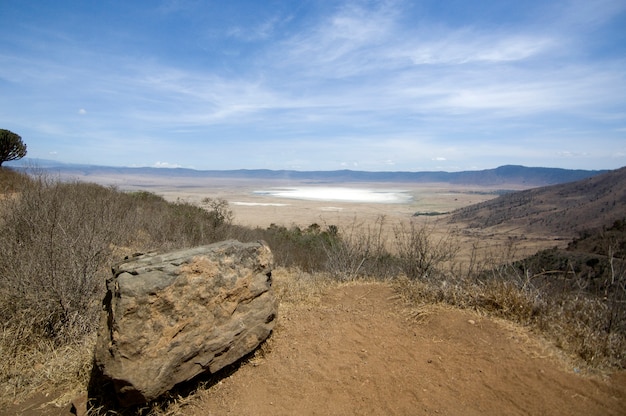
317	84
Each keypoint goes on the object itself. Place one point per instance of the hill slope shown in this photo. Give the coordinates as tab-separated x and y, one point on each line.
563	209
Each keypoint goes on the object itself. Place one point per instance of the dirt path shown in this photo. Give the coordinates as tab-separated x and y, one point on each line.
358	351
361	353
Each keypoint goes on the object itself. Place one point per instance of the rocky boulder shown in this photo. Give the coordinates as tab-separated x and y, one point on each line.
167	318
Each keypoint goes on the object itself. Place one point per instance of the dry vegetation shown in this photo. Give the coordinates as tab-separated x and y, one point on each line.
563	209
58	240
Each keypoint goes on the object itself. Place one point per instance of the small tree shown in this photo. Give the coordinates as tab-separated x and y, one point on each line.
11	146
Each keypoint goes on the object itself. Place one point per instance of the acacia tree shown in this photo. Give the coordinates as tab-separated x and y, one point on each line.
11	146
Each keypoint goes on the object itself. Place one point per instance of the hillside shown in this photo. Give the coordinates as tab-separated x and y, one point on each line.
565	209
372	342
509	175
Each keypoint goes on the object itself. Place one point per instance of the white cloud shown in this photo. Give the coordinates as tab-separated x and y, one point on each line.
82	111
166	165
357	41
569	154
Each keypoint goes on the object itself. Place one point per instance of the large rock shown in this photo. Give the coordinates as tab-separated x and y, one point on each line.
168	318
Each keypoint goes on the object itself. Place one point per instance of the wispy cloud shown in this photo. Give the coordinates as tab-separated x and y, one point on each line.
470	46
346	43
259	32
363	82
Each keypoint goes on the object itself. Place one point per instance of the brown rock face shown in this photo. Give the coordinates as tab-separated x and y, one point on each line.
168	318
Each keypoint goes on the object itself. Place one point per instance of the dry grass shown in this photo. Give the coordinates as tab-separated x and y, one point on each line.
59	239
43	367
574	322
295	287
11	181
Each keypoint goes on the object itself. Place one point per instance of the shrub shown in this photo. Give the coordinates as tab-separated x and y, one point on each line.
59	239
56	240
360	251
582	323
162	225
421	253
11	181
297	247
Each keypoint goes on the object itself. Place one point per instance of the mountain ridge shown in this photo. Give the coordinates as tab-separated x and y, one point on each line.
502	175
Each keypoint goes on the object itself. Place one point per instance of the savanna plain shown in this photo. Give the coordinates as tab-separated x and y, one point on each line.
385	307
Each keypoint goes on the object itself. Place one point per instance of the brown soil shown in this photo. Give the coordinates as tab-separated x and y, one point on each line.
357	350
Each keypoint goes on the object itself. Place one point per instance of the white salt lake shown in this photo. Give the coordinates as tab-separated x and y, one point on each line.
339	194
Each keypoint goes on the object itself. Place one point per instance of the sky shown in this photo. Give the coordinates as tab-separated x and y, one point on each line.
317	84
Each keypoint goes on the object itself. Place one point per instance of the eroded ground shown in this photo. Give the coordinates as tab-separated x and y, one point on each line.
358	349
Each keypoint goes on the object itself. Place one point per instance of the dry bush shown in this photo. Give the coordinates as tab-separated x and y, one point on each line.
58	241
162	225
360	251
592	328
27	369
292	247
295	287
11	181
584	301
421	253
578	324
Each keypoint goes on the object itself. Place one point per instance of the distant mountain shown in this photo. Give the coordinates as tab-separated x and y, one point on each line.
566	209
509	175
